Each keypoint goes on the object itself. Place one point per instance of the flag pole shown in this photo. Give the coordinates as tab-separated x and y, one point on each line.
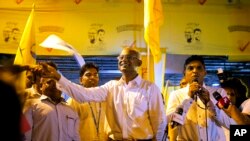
148	62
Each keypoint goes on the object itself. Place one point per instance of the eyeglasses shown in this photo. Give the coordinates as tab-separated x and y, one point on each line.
128	57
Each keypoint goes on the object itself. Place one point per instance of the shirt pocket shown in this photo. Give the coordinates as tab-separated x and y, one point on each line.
138	105
71	127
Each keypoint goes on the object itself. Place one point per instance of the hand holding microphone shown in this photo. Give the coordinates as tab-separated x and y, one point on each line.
231	110
223	102
196	90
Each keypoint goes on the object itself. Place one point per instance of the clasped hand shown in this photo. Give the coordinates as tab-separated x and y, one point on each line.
196	90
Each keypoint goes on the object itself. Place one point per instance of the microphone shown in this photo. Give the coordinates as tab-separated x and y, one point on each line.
224	101
198	91
177	118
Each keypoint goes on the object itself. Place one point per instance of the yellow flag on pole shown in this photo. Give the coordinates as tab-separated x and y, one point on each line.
146	70
26	53
153	19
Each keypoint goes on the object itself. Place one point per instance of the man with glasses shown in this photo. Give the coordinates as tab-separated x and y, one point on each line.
135	109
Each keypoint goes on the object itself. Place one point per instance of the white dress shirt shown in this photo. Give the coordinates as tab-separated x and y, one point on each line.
134	110
51	122
245	107
199	124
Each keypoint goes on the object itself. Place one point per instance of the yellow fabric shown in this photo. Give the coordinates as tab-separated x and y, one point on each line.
26	50
75	24
25	54
153	19
87	128
145	72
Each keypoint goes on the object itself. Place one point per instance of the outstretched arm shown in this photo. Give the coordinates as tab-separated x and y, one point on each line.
234	113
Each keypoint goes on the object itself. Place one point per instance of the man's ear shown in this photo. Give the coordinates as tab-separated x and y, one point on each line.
80	80
139	62
205	72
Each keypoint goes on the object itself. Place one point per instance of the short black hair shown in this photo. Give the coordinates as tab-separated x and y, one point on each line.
87	66
194	58
52	64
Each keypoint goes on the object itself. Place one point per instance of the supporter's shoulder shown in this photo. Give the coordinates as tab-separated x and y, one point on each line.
111	83
247	102
148	85
33	100
29	103
179	91
147	82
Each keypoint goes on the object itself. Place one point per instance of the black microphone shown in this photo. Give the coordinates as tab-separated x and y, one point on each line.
224	101
176	117
198	91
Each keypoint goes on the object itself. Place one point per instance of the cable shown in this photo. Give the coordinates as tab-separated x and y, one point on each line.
206	107
206	120
165	136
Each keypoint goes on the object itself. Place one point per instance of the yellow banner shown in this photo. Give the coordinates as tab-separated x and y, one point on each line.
103	28
90	28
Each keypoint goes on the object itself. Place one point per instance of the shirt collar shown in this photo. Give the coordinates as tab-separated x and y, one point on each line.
136	81
44	97
203	85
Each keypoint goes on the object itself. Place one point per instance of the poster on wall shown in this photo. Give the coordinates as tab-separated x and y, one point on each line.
105	27
91	29
206	29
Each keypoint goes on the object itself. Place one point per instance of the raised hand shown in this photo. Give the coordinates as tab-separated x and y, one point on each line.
45	70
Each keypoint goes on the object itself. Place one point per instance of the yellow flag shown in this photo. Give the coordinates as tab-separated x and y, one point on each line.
26	54
146	70
153	19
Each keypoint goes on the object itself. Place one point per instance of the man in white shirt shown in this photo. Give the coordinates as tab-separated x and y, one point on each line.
202	119
135	109
49	116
